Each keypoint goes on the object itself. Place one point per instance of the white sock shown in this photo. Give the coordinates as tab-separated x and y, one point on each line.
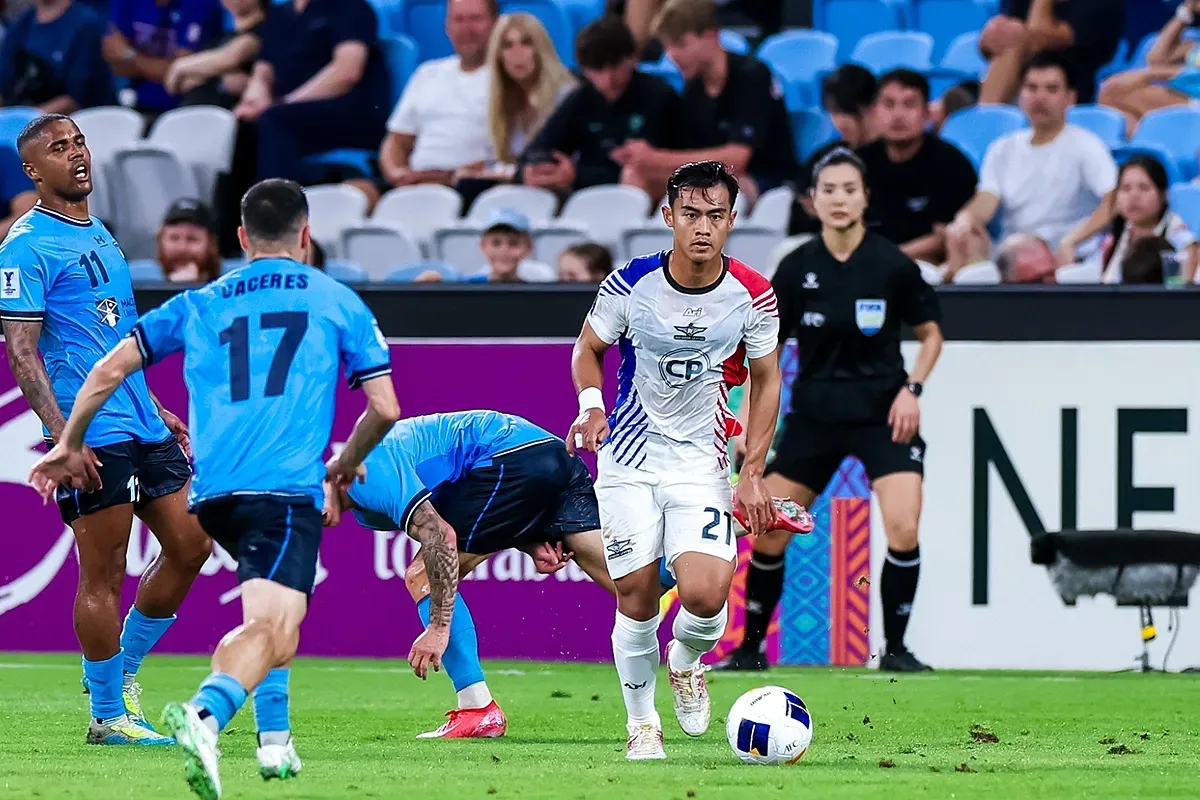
635	653
274	737
694	636
475	696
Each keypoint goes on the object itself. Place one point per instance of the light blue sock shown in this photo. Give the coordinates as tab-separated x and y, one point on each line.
271	702
461	659
664	575
104	683
221	696
139	635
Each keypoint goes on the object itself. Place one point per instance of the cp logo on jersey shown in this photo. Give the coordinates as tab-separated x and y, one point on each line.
869	315
680	366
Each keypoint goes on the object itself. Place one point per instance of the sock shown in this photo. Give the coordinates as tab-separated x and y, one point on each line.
271	707
897	588
461	659
221	696
104	683
665	578
139	635
635	653
695	636
764	587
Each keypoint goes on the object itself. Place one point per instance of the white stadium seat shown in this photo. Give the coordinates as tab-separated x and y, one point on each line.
548	242
985	272
203	137
378	250
459	245
147	180
605	211
107	130
537	204
332	208
419	211
644	239
752	245
773	210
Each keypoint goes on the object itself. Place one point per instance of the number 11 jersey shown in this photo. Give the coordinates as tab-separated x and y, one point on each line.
262	346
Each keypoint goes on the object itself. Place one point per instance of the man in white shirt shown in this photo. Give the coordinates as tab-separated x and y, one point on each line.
440	123
1052	180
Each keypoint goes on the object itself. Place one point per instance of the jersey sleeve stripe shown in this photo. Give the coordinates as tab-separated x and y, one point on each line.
617	284
610	291
21	316
139	337
363	375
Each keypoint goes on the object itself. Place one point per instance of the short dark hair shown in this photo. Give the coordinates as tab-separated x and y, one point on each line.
849	89
839	155
701	175
274	210
906	78
35	127
1051	59
604	42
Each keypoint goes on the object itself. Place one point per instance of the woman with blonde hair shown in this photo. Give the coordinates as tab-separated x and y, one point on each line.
528	82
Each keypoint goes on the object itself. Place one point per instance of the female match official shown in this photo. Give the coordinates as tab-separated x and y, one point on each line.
843	296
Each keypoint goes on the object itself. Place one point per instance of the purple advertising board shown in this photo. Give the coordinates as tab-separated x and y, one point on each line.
360	605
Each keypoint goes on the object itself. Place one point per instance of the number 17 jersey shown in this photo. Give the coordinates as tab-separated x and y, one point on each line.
262	346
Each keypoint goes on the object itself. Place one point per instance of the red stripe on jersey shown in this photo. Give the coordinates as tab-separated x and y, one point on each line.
755	284
735	368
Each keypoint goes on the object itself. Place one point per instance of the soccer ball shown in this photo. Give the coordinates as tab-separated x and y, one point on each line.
769	725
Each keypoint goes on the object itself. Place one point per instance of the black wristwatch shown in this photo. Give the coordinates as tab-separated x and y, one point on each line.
914	387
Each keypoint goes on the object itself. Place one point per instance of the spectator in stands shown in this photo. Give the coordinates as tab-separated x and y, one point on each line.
917	181
148	35
732	108
187	244
1086	32
1145	262
1142	213
218	76
1053	179
528	81
586	262
319	85
440	123
51	59
507	244
575	148
957	97
1171	76
1026	259
848	96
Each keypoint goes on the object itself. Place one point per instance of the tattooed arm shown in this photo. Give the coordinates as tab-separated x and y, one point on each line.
439	550
21	341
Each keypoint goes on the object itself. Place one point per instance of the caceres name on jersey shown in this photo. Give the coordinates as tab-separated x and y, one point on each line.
681	351
846	319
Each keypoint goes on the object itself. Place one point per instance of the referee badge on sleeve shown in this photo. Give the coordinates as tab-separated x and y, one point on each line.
869	315
10	283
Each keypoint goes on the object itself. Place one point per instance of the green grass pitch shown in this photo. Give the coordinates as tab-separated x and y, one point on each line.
1059	736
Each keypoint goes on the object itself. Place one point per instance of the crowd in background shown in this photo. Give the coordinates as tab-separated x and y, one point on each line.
304	77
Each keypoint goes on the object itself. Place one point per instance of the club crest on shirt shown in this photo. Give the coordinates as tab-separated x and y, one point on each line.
869	315
110	311
10	283
810	281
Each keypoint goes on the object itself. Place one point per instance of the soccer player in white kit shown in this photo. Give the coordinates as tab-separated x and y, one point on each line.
686	321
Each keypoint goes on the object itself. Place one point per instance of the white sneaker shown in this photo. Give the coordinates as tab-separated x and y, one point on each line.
278	761
201	758
645	743
692	706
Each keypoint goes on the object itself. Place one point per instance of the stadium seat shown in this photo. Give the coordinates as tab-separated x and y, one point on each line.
581	12
343	162
1158	152
1118	63
945	20
773	210
851	20
1184	200
345	271
1105	122
644	239
973	129
605	211
1175	129
985	272
378	249
665	70
1087	272
107	129
551	240
932	275
401	56
203	138
537	204
459	245
412	271
145	270
419	211
800	59
751	244
12	120
425	22
554	18
734	42
811	128
332	209
963	56
880	52
387	14
147	179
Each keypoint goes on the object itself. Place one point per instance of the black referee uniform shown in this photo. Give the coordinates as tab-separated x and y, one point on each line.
846	318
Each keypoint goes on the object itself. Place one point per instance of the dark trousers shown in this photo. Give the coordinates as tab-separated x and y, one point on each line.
290	131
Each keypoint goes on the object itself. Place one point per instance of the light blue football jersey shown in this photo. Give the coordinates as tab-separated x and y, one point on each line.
73	278
262	346
421	453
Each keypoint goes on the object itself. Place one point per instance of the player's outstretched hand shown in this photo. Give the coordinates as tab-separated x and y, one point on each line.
588	432
904	416
341	475
331	512
427	650
63	466
549	557
179	430
752	495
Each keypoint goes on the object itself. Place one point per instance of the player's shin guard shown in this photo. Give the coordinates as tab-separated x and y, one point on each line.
461	659
218	699
104	686
139	635
695	636
271	708
635	653
764	587
897	588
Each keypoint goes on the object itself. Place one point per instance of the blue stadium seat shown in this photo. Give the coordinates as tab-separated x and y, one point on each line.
409	273
734	42
554	17
1119	63
581	12
880	52
945	20
851	20
973	129
963	56
1155	151
800	58
1184	200
425	22
666	70
401	55
1177	130
12	120
811	128
387	12
1105	122
345	271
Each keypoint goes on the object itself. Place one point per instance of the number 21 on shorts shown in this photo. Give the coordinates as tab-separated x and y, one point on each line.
708	532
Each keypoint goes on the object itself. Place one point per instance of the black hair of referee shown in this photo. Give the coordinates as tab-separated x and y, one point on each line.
843	296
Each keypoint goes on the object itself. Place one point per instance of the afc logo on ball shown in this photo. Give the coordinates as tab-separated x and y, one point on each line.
680	366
